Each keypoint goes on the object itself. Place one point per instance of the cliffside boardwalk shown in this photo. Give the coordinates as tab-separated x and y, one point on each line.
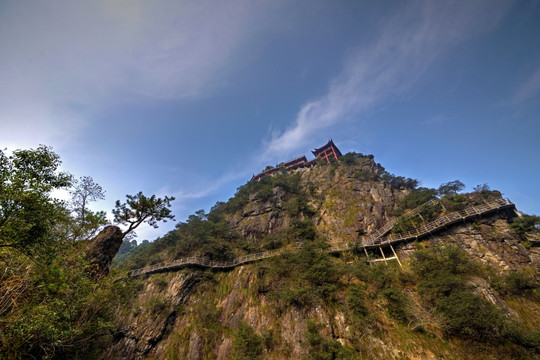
373	241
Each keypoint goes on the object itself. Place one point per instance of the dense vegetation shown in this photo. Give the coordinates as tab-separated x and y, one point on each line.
377	301
51	304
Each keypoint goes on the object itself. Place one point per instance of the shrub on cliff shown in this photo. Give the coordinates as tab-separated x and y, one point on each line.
524	224
247	345
442	281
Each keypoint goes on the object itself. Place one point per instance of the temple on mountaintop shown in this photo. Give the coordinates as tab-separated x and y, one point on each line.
325	153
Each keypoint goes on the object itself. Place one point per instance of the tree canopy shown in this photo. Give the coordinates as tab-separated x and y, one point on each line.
450	188
84	191
28	213
139	208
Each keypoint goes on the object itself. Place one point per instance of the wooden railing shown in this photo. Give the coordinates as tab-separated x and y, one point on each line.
373	241
372	238
443	221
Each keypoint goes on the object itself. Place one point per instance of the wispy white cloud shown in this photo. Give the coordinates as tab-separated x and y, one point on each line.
408	44
63	60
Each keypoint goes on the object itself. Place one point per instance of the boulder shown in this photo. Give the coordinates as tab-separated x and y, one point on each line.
103	248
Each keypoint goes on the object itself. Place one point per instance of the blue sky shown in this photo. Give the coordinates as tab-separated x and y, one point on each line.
191	98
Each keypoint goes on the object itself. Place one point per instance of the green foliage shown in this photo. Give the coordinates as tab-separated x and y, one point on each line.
265	194
86	222
455	202
127	247
155	304
450	188
518	283
399	182
426	213
441	273
139	208
62	312
302	230
524	224
29	217
386	281
484	192
202	234
417	197
469	316
357	302
397	304
160	281
352	158
321	348
272	241
302	277
247	345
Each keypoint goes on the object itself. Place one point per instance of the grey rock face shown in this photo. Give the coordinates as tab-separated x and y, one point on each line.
103	248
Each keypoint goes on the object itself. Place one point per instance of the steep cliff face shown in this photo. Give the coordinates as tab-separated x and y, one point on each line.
346	201
149	321
309	304
488	241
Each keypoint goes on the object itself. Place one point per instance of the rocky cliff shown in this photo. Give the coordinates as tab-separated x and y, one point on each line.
308	303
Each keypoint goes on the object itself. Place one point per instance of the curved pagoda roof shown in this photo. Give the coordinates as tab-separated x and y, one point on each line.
329	144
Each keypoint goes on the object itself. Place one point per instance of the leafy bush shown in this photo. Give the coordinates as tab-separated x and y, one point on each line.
63	312
321	348
441	273
518	283
455	202
160	281
417	197
155	304
303	277
524	224
469	316
272	241
356	302
302	230
397	304
247	344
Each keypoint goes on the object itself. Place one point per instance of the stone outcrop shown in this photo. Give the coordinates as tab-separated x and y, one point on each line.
102	249
349	202
152	317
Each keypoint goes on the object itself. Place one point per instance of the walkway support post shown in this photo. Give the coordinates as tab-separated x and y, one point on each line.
384	257
367	256
397	258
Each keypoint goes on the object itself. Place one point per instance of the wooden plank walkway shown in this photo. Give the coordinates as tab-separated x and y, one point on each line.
373	241
441	222
372	238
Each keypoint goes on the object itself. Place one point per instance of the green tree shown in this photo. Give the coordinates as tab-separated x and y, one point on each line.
28	213
139	208
84	191
450	188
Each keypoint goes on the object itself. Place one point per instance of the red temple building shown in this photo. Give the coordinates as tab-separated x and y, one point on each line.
296	163
325	153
